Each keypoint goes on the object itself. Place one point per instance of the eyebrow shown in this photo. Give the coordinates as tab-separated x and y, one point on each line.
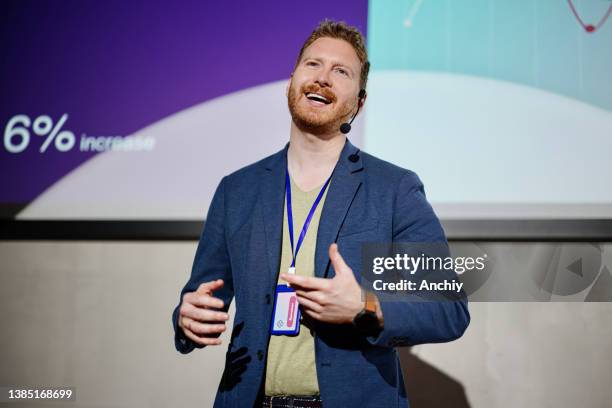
333	63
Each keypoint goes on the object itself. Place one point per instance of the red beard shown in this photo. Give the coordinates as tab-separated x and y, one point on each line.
323	120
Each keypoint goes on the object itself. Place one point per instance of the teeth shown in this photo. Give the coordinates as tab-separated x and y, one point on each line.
317	97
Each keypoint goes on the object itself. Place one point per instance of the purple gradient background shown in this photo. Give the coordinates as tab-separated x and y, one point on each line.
116	66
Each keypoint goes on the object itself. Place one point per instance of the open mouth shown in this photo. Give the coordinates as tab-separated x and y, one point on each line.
318	98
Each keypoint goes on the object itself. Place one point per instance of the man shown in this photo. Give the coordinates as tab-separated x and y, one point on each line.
294	224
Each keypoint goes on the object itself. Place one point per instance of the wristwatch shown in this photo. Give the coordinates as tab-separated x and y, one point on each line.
366	321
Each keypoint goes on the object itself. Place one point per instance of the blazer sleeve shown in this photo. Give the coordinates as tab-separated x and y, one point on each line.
211	262
408	323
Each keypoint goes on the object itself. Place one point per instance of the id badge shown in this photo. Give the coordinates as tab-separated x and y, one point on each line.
286	312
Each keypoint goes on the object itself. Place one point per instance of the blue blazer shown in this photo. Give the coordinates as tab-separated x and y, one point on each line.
369	200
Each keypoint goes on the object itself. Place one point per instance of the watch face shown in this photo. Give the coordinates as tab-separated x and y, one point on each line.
367	322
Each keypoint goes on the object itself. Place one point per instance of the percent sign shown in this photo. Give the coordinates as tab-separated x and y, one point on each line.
42	126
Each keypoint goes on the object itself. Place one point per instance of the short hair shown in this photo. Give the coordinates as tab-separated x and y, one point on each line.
341	31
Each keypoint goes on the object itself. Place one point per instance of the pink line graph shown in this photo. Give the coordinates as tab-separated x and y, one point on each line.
589	28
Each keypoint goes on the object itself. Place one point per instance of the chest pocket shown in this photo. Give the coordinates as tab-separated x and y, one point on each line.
361	217
357	226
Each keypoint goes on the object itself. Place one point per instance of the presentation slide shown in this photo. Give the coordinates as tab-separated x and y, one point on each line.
504	109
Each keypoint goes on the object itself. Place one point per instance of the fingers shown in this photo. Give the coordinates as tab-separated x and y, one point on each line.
203	341
337	260
314	296
202	326
308	304
201	314
306	282
209	287
203	300
202	329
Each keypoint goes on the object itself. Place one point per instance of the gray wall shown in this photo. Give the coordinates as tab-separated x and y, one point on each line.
96	316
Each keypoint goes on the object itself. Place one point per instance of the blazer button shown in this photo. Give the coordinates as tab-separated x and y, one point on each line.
260	354
268	299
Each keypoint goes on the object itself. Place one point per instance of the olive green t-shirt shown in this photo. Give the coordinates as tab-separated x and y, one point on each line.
291	368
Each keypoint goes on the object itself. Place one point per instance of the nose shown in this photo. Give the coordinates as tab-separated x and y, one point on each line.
322	78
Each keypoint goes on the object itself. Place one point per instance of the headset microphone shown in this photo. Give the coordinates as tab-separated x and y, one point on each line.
346	126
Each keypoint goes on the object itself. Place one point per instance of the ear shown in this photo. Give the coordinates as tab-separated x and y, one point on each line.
363	99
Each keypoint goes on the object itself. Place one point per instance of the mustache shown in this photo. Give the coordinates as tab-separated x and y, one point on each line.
329	95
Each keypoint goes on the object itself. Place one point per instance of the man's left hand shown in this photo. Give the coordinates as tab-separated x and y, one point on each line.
335	300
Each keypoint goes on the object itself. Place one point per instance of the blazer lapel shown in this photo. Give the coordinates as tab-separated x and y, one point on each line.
345	183
273	202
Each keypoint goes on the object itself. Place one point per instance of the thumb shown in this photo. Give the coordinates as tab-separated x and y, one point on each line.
340	267
209	287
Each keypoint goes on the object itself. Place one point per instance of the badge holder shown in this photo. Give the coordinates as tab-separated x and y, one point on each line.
286	315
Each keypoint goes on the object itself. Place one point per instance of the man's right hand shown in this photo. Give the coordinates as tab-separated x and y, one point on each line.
200	316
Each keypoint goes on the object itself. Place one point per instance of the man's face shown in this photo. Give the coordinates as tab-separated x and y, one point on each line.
322	92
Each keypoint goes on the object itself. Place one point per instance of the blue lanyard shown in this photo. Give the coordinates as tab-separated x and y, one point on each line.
308	218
